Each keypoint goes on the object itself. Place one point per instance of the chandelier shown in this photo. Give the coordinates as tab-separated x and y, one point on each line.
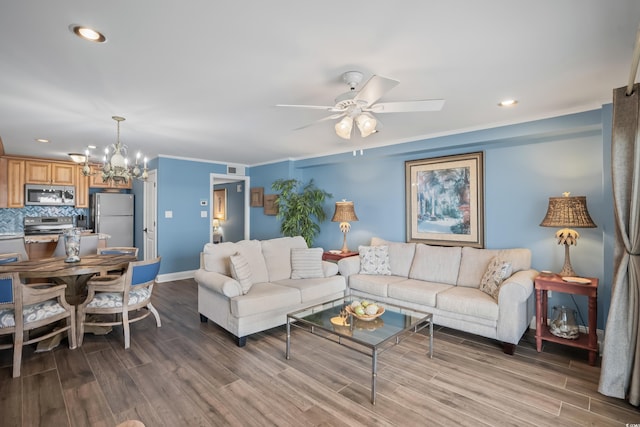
115	163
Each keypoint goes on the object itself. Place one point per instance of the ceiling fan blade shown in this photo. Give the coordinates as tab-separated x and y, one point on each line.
313	107
407	106
324	119
373	90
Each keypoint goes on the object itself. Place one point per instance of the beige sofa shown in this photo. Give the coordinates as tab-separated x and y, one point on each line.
250	286
446	281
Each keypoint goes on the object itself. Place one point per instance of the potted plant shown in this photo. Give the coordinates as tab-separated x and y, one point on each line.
300	208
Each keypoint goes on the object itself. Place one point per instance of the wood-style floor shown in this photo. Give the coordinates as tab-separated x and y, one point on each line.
192	374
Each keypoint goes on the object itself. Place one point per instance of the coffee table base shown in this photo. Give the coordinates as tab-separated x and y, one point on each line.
374	351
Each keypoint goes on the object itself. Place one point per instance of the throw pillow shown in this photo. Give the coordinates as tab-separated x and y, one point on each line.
241	271
374	260
497	271
306	263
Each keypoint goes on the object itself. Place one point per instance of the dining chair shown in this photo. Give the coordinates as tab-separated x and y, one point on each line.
10	257
118	250
88	245
113	250
40	306
129	292
14	245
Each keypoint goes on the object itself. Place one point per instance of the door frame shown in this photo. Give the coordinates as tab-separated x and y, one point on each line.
226	178
147	187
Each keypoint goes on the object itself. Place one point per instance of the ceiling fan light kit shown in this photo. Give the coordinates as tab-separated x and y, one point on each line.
357	105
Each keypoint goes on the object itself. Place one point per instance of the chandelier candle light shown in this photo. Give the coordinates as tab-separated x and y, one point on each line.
345	212
115	165
567	212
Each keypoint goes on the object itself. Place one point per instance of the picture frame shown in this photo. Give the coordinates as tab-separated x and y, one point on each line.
270	206
220	204
257	197
445	200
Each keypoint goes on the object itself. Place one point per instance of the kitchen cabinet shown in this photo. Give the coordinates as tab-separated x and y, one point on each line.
44	172
15	183
95	180
82	189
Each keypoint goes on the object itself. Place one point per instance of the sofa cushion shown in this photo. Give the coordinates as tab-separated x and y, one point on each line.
436	264
374	260
252	251
264	297
216	257
316	289
497	270
371	284
277	255
400	255
468	301
241	271
475	261
416	291
306	263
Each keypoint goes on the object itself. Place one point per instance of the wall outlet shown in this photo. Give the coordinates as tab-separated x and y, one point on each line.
549	294
168	214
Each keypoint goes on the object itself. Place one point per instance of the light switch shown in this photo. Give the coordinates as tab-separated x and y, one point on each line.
203	214
168	214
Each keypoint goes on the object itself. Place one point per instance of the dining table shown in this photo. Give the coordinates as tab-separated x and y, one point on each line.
73	274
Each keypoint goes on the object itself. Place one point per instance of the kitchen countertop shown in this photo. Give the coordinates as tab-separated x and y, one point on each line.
47	238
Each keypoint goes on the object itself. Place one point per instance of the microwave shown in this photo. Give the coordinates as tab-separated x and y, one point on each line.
49	195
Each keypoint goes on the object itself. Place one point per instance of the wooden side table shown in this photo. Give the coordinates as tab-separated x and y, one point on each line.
330	256
588	341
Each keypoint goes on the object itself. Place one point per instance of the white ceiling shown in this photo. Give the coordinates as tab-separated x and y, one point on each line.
200	78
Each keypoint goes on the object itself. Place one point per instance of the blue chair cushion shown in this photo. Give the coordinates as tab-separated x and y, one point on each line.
31	313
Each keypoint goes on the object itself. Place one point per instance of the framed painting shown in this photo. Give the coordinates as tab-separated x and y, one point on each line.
220	204
445	200
270	206
257	197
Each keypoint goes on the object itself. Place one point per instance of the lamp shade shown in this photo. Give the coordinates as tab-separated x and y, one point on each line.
345	212
343	127
568	212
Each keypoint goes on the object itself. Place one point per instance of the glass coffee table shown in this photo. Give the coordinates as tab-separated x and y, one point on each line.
330	320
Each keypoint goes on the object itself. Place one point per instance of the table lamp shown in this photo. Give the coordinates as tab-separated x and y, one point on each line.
567	212
216	225
344	213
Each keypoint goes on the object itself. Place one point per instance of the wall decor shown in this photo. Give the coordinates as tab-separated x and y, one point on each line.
270	206
257	197
220	204
445	200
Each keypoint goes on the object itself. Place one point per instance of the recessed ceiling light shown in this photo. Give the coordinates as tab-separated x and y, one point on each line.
91	147
87	33
508	103
43	140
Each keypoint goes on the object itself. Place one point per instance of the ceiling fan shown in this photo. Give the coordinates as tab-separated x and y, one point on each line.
358	105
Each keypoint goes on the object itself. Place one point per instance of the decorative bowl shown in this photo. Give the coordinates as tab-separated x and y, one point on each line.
365	317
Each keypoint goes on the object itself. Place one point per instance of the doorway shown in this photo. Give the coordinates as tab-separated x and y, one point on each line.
232	223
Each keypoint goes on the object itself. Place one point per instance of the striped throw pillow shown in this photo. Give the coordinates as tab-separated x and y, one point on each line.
241	271
306	263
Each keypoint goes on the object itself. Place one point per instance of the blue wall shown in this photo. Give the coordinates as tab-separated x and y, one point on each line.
181	186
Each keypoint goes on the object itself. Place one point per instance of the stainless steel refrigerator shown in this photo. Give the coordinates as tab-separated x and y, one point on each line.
112	214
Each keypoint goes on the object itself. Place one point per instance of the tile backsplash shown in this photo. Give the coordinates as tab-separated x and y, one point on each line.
12	220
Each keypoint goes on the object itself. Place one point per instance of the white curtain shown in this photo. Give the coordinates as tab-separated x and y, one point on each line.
620	374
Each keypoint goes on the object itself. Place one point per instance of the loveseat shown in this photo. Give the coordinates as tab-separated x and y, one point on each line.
251	285
487	292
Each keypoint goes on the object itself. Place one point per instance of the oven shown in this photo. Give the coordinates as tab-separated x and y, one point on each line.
38	225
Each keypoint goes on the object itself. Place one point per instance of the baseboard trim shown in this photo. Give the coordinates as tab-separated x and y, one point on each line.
179	275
